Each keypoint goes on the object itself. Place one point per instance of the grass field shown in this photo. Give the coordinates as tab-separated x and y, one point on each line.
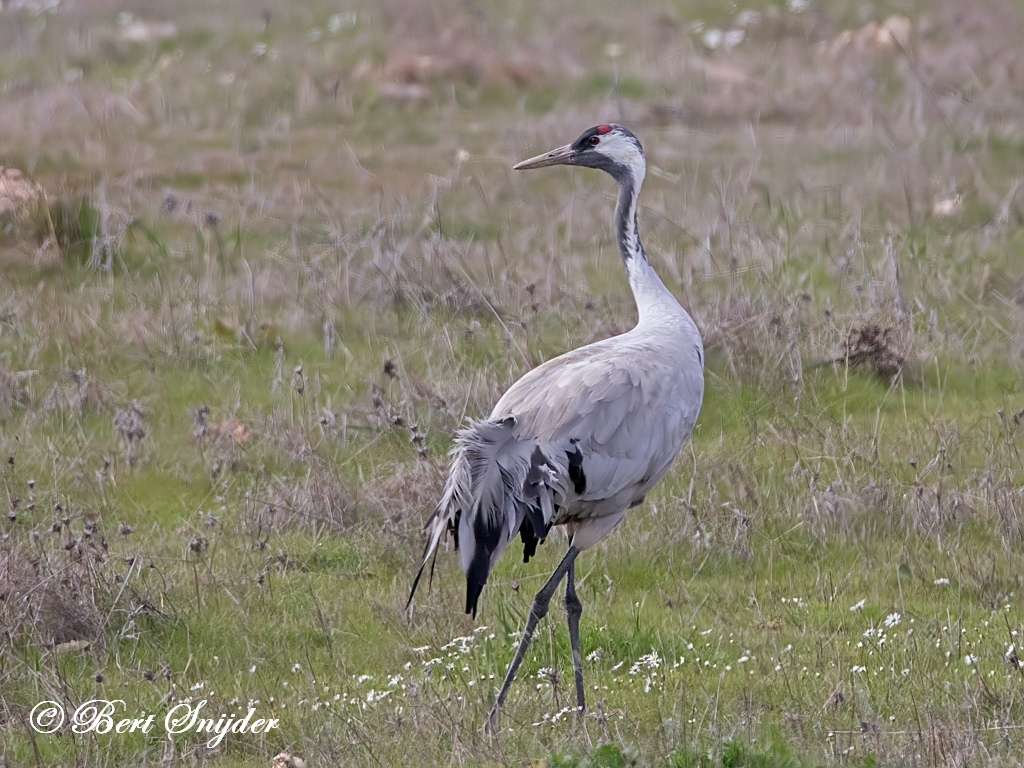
281	256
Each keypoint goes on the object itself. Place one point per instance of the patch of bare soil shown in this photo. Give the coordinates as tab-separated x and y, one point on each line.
430	48
18	194
893	33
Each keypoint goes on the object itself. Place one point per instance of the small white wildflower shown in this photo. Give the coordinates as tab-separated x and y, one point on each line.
340	20
747	17
733	37
939	582
713	38
595	654
892	619
858	605
969	659
648	661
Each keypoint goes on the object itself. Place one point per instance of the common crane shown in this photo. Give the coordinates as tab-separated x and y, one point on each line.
580	439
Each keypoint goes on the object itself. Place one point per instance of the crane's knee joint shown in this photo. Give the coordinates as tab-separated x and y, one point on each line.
573	606
539	609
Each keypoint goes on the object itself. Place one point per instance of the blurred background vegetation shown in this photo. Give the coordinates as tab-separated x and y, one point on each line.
259	260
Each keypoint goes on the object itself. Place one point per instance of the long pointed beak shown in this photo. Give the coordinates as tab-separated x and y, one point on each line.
560	156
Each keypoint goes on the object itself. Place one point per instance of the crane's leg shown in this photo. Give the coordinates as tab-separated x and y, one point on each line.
538	611
573	609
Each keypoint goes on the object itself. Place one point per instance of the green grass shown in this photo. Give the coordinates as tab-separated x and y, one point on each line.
829	576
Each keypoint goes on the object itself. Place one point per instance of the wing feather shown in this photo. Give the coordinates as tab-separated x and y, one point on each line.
629	403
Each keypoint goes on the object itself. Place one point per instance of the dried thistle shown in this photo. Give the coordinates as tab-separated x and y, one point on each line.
873	348
11	391
199	416
130	424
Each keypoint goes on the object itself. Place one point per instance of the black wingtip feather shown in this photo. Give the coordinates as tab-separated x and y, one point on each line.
529	540
476	577
579	480
473	590
533	531
415	583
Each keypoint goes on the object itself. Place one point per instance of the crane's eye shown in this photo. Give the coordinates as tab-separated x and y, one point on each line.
594	141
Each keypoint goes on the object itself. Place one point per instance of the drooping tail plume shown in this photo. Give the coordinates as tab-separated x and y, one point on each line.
495	482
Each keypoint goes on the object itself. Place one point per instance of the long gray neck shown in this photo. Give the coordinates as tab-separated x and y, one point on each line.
626	232
653	299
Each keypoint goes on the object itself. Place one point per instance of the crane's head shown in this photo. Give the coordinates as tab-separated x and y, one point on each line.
610	148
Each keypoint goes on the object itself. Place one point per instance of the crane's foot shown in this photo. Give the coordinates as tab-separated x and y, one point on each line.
491	723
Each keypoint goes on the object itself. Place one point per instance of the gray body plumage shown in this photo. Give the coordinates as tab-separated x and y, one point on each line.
580	439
